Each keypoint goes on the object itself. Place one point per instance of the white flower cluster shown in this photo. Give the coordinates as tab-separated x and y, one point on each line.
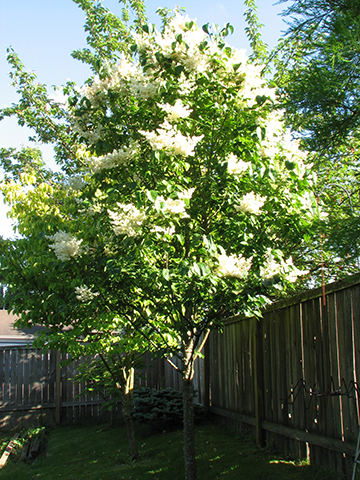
65	246
171	141
175	206
127	220
113	159
125	77
163	230
255	85
177	111
236	166
286	270
75	182
84	293
233	266
91	134
187	52
278	141
251	203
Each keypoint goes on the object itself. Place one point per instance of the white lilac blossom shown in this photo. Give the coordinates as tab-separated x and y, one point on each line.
186	52
285	269
173	206
233	266
76	183
126	76
177	111
83	127
278	141
113	159
251	203
186	194
84	293
127	220
163	230
236	166
171	141
65	245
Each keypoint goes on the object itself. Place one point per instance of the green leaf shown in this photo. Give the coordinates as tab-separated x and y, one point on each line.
152	195
166	274
179	69
290	165
206	28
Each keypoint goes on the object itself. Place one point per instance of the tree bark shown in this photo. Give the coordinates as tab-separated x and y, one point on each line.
126	411
189	434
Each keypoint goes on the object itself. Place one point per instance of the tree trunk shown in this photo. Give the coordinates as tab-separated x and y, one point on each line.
189	434
126	411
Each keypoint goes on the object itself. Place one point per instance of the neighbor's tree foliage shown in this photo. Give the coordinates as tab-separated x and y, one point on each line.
318	77
181	201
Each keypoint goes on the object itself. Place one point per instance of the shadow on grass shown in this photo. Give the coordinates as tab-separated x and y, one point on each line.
93	452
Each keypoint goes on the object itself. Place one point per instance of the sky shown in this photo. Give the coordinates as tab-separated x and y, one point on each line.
45	32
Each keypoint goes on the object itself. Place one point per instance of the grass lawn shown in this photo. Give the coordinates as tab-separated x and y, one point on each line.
93	452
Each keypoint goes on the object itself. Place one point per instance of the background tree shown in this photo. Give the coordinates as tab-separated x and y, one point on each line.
317	75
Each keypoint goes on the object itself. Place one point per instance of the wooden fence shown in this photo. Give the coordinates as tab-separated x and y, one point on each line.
37	389
293	375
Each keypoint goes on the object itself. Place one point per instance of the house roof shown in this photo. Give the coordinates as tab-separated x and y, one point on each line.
12	336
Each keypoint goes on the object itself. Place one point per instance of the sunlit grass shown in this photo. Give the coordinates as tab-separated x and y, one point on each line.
95	453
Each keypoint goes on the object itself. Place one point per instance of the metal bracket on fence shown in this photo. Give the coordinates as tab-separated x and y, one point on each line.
344	389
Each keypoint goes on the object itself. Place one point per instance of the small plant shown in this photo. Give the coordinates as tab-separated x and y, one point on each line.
162	409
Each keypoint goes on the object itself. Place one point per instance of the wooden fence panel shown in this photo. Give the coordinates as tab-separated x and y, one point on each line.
310	366
28	390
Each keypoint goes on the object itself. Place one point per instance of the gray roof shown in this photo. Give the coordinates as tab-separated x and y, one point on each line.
11	336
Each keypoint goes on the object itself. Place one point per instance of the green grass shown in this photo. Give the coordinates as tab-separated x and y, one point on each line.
92	452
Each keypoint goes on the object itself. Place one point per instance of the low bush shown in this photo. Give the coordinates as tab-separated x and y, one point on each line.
161	409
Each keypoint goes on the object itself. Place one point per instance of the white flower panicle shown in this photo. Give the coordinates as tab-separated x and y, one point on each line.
113	159
177	111
186	194
186	52
126	77
65	246
127	220
84	293
286	270
251	203
163	230
173	206
171	141
76	182
236	166
279	142
84	127
233	266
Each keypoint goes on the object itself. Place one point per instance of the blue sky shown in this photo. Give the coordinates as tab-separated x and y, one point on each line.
44	32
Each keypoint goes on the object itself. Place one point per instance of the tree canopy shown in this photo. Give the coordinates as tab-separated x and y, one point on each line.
182	199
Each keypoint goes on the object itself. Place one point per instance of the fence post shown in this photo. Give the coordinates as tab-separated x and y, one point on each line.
57	388
259	381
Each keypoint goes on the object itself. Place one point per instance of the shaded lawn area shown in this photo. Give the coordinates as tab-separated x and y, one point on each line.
92	452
